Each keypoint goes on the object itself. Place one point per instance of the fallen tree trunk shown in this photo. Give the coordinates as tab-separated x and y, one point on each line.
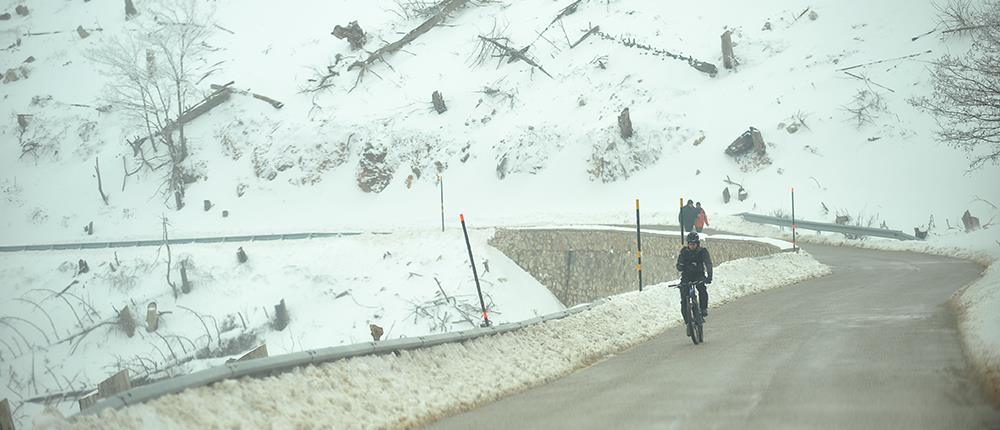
448	7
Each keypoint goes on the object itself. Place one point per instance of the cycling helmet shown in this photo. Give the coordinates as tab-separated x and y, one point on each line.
692	237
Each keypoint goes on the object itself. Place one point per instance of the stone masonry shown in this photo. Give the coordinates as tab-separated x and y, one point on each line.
582	266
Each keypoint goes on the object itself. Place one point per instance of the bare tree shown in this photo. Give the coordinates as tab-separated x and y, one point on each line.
154	73
966	97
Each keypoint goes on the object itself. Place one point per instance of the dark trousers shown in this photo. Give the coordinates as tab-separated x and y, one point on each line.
702	300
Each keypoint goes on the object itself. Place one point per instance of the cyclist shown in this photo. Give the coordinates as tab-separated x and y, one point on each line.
693	261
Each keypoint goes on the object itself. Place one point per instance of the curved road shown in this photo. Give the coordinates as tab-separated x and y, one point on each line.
874	345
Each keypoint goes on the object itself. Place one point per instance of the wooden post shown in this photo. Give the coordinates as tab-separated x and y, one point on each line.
6	419
89	400
438	101
258	352
117	383
241	256
727	49
185	285
208	205
725	195
130	9
280	315
152	317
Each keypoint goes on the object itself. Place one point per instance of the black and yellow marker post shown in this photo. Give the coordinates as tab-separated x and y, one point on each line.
680	219
472	261
638	244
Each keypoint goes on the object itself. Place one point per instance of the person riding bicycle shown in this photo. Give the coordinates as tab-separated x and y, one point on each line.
693	261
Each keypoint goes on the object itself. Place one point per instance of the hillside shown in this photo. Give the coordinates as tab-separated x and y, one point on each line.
518	145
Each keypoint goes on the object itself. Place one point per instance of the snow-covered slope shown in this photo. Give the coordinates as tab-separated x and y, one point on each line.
516	146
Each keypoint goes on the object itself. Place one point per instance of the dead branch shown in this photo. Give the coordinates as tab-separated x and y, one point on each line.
274	103
730	182
501	50
864	78
166	242
196	314
884	60
100	186
40	309
592	30
4	320
980	199
448	6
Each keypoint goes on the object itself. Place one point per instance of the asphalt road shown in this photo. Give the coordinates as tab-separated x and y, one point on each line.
874	345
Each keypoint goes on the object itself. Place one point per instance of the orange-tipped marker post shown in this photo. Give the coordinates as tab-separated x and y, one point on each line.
475	274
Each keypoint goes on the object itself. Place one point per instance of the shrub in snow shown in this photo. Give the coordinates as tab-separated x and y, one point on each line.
613	158
526	151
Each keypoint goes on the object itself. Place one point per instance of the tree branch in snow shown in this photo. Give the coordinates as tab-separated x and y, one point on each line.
447	6
966	97
100	185
498	48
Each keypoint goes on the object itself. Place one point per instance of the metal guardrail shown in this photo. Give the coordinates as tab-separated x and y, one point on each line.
135	243
284	363
822	226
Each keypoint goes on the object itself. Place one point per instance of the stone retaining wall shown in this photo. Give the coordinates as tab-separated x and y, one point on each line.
582	266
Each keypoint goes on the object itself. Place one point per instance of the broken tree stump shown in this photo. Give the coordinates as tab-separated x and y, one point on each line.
438	101
82	267
353	33
89	228
130	9
241	255
742	194
727	49
280	316
208	205
185	284
725	195
21	10
376	332
758	141
117	383
152	317
919	234
178	200
625	124
842	219
971	223
6	419
80	31
126	322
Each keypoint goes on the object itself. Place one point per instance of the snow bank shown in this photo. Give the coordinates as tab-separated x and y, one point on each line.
415	387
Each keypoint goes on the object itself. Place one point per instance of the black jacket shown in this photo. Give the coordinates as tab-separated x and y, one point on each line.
686	217
693	264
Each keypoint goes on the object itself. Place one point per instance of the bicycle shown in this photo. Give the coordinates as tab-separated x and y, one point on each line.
695	322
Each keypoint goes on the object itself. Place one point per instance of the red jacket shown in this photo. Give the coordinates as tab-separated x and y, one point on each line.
702	219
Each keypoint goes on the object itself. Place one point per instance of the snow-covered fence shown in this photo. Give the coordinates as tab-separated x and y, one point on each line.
856	231
283	363
158	242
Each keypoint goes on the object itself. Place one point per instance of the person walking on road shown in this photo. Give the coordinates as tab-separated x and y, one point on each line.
693	262
687	216
701	220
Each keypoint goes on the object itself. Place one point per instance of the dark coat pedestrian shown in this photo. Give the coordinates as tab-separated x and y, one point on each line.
687	216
